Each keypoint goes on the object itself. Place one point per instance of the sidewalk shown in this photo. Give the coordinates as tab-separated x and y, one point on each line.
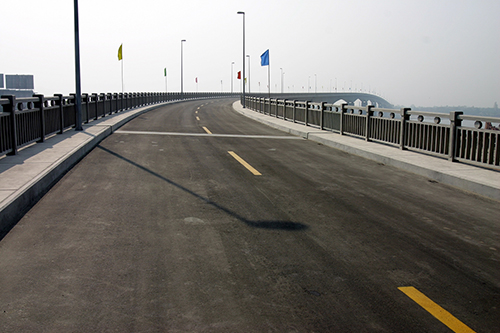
470	178
26	177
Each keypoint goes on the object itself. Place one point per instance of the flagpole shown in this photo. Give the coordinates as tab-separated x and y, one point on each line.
269	79
122	74
166	81
120	58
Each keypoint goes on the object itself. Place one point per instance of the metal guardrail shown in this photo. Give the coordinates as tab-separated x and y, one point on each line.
444	136
24	121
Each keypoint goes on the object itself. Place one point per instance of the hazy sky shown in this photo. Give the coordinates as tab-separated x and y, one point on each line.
422	52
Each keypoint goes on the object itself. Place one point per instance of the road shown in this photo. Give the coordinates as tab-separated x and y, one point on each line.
164	227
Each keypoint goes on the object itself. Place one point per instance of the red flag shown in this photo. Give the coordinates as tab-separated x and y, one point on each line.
239	75
196	80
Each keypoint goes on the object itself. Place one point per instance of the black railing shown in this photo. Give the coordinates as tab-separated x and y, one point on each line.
33	119
446	135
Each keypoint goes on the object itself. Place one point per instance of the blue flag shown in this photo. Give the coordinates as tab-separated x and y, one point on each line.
264	58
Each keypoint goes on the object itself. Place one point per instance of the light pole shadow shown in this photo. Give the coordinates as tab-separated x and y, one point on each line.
273	225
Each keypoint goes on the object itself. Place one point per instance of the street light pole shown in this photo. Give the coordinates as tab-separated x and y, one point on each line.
248	73
182	70
78	97
281	69
243	13
232	77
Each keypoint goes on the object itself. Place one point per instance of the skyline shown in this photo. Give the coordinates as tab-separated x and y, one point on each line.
428	53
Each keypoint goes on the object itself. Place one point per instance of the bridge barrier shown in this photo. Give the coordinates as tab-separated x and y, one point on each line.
28	120
438	134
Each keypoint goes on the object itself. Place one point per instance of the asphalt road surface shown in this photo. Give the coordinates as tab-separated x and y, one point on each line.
165	227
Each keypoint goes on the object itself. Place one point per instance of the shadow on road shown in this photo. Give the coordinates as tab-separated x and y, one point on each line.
275	225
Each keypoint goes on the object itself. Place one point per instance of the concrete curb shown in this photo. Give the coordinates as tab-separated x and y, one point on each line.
466	177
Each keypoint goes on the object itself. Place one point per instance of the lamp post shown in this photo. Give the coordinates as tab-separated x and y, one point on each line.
232	77
182	71
282	79
78	97
282	82
243	13
248	73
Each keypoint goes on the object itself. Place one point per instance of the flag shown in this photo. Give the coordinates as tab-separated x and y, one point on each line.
239	75
120	57
165	72
196	80
264	58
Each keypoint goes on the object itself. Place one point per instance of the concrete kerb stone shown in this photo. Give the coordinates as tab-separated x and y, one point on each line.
17	204
439	170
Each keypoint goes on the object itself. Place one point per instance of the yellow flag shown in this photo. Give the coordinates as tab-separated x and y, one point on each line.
120	52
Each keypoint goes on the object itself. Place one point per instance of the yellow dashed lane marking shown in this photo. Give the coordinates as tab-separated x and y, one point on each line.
197	118
207	130
244	163
434	309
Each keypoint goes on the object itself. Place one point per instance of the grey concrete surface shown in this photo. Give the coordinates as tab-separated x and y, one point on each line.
481	181
26	177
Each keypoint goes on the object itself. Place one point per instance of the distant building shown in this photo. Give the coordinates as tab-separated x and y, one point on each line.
18	85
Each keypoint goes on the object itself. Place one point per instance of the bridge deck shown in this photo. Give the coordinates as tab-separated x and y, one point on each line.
162	228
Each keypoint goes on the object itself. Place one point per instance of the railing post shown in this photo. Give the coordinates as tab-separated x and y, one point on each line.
455	122
343	109
109	101
402	132
322	117
102	99
59	103
294	109
369	114
85	103
95	98
11	108
39	105
306	112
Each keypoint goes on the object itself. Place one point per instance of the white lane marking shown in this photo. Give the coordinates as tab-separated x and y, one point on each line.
212	135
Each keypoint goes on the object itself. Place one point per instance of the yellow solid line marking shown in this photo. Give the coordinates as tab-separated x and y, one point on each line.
245	164
197	118
434	309
206	130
